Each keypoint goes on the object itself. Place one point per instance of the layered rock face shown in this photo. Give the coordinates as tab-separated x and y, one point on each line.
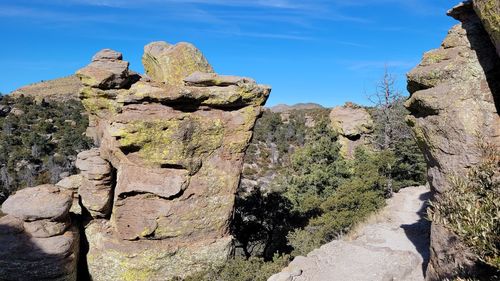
176	141
37	241
354	126
454	106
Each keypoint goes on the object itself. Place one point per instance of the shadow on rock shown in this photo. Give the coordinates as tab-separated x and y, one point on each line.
419	232
23	257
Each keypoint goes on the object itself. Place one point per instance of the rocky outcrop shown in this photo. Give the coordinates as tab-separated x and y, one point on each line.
37	241
454	106
176	141
489	13
354	126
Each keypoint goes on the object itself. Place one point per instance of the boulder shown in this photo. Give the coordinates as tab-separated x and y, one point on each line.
354	126
170	64
37	203
107	54
36	239
106	71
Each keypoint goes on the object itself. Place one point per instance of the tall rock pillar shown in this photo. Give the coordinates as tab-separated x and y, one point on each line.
454	103
176	141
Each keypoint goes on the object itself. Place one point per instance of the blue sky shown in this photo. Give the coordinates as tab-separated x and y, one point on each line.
323	51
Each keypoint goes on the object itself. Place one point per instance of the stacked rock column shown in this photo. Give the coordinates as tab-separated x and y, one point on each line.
37	241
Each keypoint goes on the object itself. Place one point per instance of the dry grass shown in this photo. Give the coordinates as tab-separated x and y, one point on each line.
60	89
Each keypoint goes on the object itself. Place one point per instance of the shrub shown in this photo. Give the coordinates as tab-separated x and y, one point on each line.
241	269
39	142
471	207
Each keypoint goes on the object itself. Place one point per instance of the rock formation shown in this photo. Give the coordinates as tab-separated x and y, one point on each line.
37	241
354	126
489	13
454	104
176	141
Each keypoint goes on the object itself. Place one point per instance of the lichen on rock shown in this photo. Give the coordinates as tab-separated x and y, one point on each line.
176	140
454	106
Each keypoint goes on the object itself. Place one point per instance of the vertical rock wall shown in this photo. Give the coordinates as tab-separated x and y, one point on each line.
177	145
454	104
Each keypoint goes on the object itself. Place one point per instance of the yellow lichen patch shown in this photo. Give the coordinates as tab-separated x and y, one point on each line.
433	57
175	142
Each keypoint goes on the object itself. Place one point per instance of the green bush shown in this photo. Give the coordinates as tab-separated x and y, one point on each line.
354	200
39	141
241	269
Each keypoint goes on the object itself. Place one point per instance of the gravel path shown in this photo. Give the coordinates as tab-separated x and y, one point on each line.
394	245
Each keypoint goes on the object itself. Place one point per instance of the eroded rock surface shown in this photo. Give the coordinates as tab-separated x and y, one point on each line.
454	107
354	125
177	142
37	241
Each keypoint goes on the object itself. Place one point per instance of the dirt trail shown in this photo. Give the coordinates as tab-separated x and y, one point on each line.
394	245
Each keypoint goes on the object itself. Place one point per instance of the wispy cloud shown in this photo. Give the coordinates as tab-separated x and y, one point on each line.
285	36
16	12
374	65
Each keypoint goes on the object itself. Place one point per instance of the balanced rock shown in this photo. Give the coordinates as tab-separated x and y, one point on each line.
172	63
177	143
36	239
95	188
106	71
107	54
354	126
453	105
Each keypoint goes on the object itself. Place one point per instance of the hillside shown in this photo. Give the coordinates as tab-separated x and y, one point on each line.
61	89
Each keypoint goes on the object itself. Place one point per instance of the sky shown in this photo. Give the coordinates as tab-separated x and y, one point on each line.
321	51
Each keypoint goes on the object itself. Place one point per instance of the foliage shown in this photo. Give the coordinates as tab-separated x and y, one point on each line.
355	199
240	269
261	223
471	207
391	133
409	167
315	170
39	141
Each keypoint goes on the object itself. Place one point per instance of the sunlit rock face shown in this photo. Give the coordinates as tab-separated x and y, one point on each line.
454	106
354	126
175	142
